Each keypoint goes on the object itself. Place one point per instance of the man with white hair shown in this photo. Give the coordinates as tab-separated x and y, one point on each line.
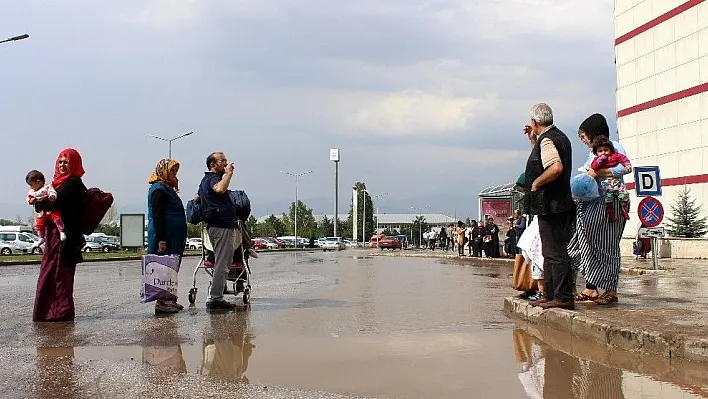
548	195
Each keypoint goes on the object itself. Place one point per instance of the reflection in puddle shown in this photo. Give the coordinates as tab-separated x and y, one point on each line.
549	373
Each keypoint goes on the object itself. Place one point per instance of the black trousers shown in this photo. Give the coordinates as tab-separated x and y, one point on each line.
555	231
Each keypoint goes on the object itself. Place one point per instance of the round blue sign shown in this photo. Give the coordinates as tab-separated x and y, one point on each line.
650	212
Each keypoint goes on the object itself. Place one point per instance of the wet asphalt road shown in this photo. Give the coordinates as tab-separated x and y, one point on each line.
321	325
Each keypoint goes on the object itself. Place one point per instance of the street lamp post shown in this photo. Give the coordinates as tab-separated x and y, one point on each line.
16	38
420	209
373	198
170	141
297	177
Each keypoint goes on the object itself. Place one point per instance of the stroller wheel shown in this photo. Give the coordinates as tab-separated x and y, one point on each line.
247	296
192	295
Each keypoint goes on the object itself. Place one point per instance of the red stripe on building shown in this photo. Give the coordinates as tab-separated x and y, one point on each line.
691	91
678	181
656	21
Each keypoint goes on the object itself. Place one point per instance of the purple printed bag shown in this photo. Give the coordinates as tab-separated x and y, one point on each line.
159	278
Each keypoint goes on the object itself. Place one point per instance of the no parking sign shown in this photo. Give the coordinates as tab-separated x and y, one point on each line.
650	212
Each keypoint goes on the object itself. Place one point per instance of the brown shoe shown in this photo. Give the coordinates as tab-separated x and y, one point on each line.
559	304
607	298
538	302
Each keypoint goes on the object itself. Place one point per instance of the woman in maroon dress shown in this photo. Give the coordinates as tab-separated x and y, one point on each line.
54	300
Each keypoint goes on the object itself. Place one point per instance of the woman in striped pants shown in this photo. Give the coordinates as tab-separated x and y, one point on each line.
594	248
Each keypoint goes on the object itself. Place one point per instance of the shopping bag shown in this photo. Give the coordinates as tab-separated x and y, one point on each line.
521	277
636	247
159	277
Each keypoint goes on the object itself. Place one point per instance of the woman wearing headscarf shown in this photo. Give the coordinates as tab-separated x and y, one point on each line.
595	246
54	300
167	221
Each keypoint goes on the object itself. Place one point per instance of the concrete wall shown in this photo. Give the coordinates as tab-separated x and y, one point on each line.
662	62
677	248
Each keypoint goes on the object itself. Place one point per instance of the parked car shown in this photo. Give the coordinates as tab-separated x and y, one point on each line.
194	244
351	244
275	241
390	243
99	243
22	240
332	243
8	248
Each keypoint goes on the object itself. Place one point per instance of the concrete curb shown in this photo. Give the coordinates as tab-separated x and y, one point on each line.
636	271
619	336
139	257
438	256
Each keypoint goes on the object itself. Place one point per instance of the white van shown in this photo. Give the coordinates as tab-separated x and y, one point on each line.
24	241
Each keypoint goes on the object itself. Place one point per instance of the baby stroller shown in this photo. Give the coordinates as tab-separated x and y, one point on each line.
239	273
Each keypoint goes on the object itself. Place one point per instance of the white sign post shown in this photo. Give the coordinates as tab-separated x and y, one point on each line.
334	157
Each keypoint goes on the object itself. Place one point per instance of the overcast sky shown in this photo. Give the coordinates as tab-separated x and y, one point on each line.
426	99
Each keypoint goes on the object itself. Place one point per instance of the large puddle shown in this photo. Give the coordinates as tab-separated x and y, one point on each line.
340	325
465	363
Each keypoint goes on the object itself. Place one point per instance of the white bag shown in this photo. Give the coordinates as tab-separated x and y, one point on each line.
159	278
530	244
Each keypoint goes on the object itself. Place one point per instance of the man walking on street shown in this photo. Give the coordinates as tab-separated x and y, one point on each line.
220	216
548	195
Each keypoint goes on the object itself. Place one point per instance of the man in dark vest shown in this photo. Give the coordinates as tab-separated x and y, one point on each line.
548	196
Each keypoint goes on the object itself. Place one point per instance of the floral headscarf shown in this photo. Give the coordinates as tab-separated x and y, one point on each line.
75	166
162	173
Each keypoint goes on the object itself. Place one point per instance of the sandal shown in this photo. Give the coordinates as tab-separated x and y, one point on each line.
581	297
606	299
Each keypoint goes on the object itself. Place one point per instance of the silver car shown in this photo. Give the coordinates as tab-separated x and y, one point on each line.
9	248
332	243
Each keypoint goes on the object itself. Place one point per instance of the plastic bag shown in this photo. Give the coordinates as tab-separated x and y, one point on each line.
159	277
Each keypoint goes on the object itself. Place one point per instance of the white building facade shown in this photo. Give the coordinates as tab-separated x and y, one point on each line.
661	52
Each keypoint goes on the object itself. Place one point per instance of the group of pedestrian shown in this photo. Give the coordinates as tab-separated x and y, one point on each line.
576	234
167	229
480	239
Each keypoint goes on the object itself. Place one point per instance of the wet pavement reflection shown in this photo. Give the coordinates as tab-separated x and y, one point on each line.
321	325
549	372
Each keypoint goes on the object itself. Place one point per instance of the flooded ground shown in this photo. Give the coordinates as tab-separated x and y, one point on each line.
321	325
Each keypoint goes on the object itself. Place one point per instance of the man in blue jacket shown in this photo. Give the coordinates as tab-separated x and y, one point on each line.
220	218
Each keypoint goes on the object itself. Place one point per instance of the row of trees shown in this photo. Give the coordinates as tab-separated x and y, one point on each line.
685	221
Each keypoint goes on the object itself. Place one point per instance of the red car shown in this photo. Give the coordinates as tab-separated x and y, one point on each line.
390	243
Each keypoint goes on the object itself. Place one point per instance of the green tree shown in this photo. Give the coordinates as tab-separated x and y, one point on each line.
251	225
325	227
686	220
419	226
306	224
193	231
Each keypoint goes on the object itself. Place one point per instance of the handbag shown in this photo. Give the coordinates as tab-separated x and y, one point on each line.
636	247
96	205
521	277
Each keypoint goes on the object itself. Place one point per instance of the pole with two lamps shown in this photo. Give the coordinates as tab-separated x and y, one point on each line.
169	141
297	176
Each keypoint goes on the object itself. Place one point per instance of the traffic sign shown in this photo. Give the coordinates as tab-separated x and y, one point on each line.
647	181
650	212
651	232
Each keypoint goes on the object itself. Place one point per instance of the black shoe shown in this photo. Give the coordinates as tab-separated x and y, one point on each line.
220	304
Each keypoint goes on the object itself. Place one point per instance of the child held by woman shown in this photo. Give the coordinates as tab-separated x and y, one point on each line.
607	157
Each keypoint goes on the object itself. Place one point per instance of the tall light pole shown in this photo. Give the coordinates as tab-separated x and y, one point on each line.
170	141
297	177
420	209
334	157
16	38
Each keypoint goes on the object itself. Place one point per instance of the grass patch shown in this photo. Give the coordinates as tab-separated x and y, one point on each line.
87	256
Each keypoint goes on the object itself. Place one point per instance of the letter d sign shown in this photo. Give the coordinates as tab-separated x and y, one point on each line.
647	181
